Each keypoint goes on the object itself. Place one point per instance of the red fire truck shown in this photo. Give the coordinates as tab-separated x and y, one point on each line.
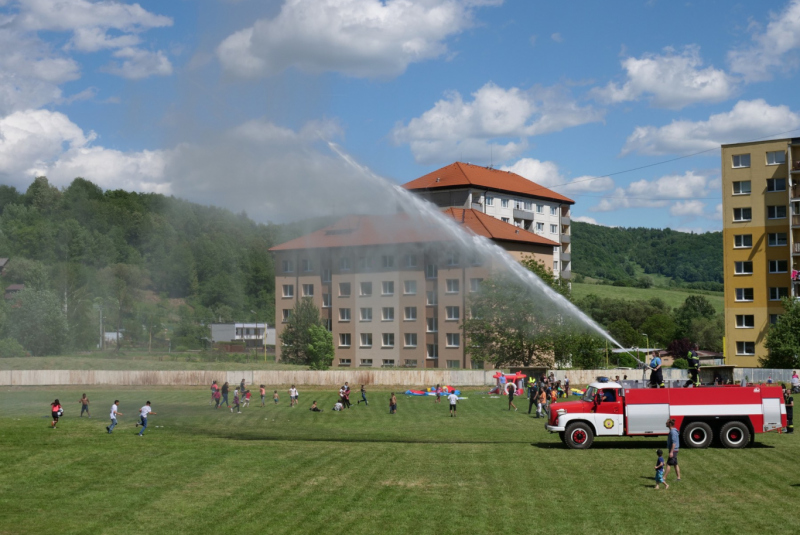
731	413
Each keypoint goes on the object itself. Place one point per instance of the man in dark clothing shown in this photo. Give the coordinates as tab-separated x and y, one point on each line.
694	368
789	401
532	394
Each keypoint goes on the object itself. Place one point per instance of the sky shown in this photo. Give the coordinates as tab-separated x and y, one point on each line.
236	102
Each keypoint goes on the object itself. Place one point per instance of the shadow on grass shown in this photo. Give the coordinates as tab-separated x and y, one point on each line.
637	445
350	440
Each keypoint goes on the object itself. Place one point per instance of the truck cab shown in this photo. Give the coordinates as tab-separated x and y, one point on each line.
600	411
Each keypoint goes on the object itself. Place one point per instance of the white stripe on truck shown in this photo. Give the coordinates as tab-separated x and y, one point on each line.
715	410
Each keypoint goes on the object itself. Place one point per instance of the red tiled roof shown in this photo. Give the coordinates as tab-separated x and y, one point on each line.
364	230
464	174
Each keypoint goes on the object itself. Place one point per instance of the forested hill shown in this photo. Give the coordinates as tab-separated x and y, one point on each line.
623	253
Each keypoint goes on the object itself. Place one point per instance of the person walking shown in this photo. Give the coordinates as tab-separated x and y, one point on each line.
541	401
453	399
241	387
532	393
55	411
84	401
503	382
144	412
293	396
393	404
566	386
225	394
236	402
511	389
788	400
214	388
217	399
263	391
114	414
673	446
660	470
346	395
438	392
363	397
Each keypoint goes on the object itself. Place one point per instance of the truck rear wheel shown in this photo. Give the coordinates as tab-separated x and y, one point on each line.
579	436
734	435
697	435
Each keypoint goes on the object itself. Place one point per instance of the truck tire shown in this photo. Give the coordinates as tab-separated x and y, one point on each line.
697	435
734	435
579	436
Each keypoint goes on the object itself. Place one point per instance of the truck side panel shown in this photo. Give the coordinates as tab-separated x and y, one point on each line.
647	418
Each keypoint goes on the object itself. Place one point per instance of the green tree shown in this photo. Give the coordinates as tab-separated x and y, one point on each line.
783	338
37	321
296	335
10	349
578	349
42	195
660	329
695	306
707	333
320	349
626	335
546	274
122	284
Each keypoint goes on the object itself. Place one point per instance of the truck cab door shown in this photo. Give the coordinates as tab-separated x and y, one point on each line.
608	414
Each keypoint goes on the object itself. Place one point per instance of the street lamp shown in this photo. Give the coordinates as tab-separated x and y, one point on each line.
265	333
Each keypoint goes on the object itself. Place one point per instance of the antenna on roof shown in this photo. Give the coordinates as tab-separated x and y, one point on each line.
491	156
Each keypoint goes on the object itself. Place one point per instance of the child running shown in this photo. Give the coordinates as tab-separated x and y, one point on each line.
660	470
246	398
275	397
217	399
393	404
453	399
84	401
263	391
55	411
363	396
236	402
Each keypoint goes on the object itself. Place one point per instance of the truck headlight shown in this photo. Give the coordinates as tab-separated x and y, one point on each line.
561	412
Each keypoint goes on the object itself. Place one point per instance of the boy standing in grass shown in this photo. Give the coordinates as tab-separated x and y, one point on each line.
275	397
453	399
292	396
85	406
263	391
393	404
114	414
660	470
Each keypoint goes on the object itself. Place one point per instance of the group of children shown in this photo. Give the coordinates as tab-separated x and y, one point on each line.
241	396
56	411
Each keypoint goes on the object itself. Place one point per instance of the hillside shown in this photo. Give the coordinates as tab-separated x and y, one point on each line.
617	254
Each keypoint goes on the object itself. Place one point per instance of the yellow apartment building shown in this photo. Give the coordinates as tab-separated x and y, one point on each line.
761	237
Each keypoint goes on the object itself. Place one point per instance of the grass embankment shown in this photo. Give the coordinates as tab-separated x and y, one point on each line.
286	470
139	360
673	297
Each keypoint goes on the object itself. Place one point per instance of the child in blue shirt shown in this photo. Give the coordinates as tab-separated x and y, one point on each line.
660	470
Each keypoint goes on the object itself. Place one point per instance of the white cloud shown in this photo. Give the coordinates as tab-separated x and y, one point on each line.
459	129
586	219
688	209
659	193
557	37
548	175
363	38
137	64
748	120
670	80
771	51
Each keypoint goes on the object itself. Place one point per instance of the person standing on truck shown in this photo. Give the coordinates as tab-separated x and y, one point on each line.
672	448
656	375
789	402
694	367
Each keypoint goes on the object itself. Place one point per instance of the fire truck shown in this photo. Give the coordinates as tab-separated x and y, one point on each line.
733	414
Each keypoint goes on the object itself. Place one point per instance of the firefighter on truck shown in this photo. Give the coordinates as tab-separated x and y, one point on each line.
694	367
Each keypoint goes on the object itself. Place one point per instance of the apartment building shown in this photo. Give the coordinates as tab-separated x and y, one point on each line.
393	290
761	233
506	196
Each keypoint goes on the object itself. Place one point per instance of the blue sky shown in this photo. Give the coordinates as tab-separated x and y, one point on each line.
229	102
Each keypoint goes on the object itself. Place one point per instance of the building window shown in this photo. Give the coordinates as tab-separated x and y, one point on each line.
744	294
776	158
452	259
453	364
326	275
365	362
539	227
741	160
743	241
387	261
778	266
528	205
344	362
432	351
344	339
742	214
365	263
776	184
411	363
307	265
555	266
430	298
489	201
344	289
345	264
452	313
411	313
366	339
344	314
453	339
411	260
288	266
776	212
288	290
410	287
773	318
388	363
505	220
287	313
452	286
518	205
741	188
745	348
308	290
387	313
387	288
745	321
387	340
431	271
504	203
432	325
366	289
776	294
410	340
553	229
553	210
743	268
777	239
366	314
475	285
326	300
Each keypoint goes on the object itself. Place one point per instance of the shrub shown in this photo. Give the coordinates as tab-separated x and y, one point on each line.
10	349
681	364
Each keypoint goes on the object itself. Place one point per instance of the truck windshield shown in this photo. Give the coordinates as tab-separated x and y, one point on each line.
589	394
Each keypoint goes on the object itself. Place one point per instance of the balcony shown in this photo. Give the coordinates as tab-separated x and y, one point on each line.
523	214
796	166
566	257
796	221
566	274
796	191
796	250
565	220
566	238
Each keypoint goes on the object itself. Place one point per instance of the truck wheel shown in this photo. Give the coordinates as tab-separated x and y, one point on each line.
734	435
579	436
697	435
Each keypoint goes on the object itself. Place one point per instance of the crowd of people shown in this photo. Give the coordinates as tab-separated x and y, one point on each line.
542	392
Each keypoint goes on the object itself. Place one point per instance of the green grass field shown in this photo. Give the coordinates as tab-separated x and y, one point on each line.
285	470
673	298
